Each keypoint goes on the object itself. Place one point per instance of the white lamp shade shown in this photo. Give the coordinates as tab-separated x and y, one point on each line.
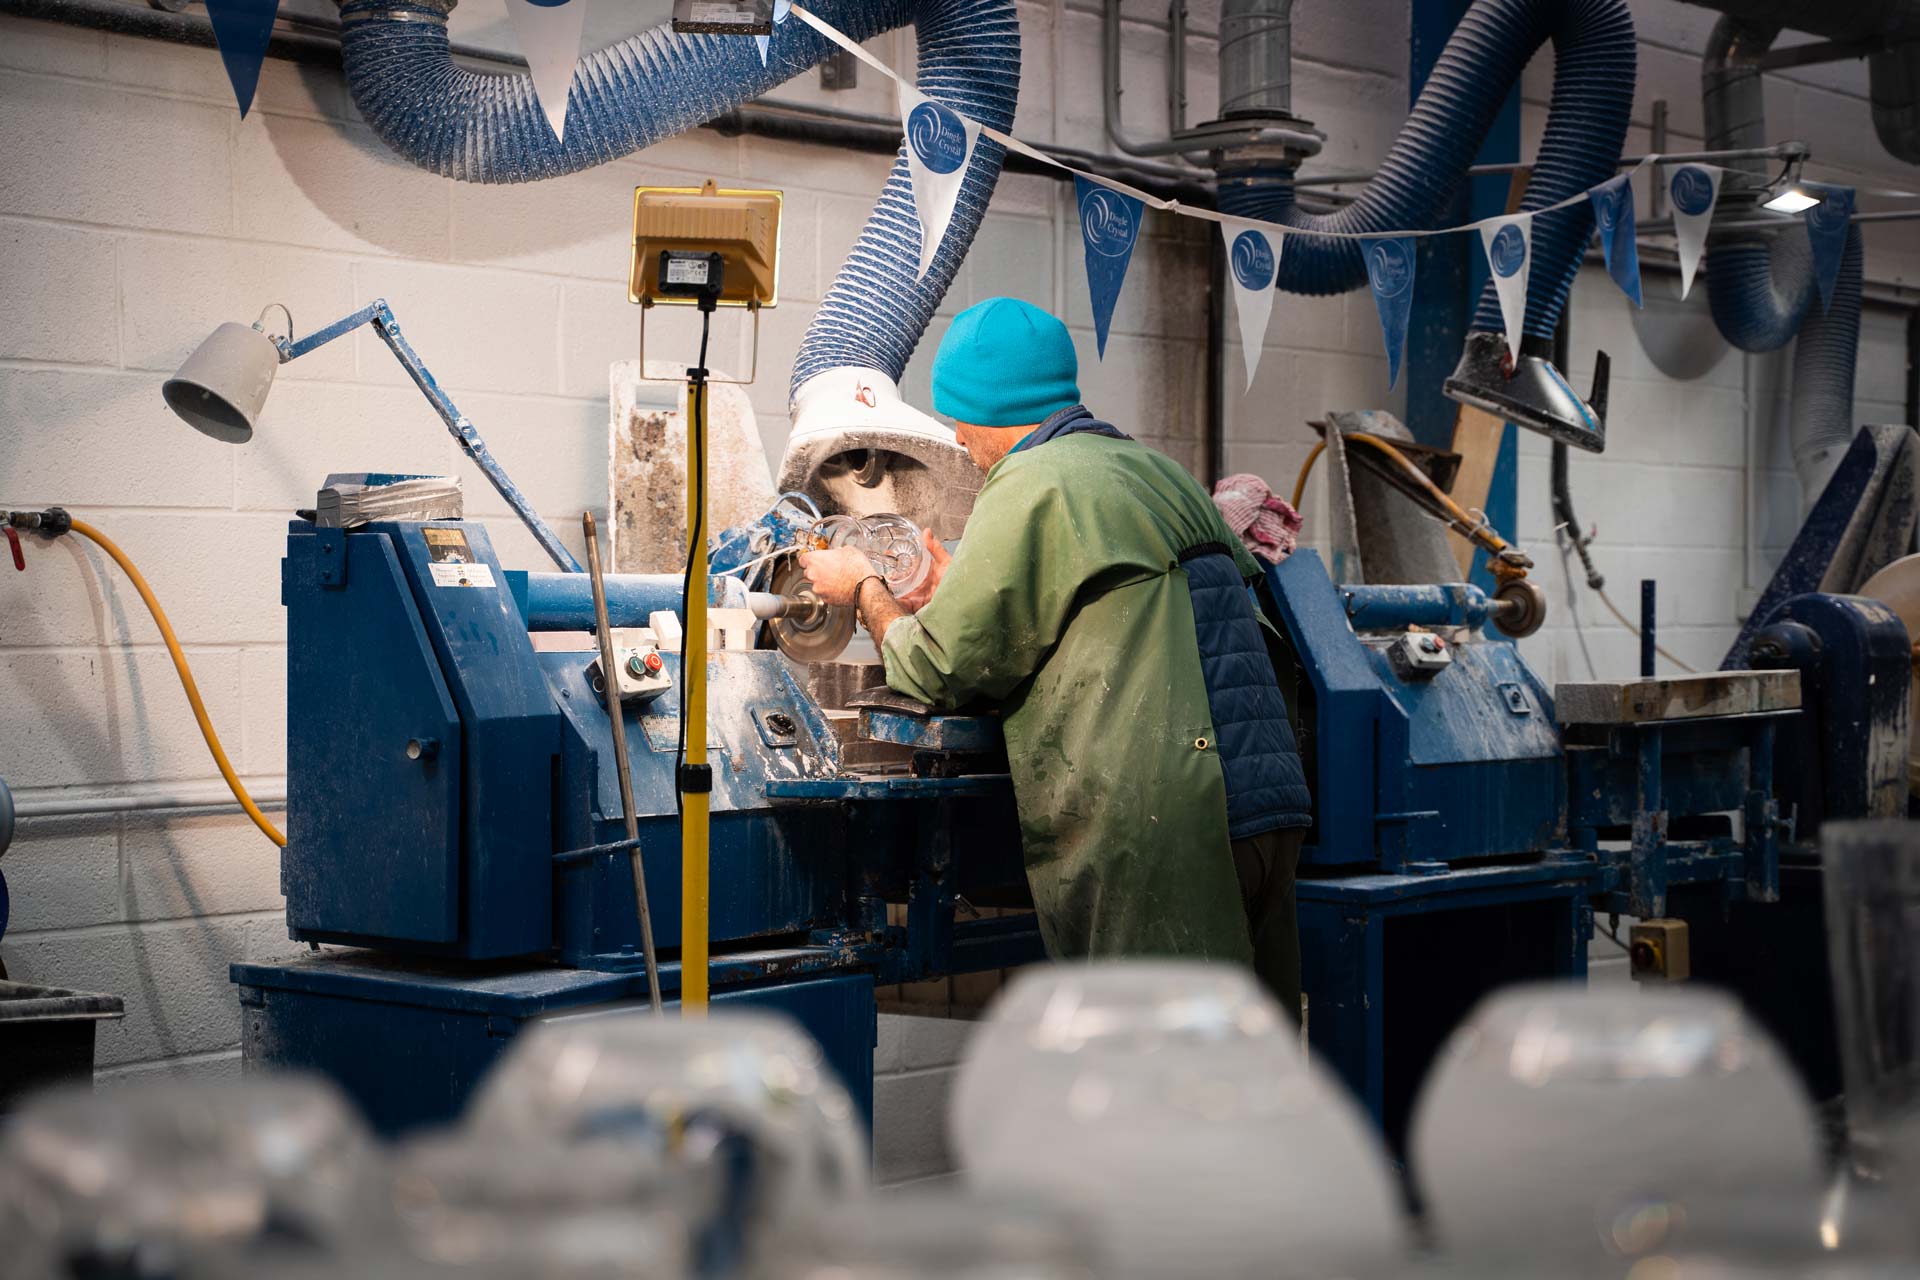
223	384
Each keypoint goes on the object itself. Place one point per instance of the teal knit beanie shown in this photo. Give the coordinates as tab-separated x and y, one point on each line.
1005	363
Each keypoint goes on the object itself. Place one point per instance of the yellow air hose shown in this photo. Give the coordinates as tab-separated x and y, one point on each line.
108	545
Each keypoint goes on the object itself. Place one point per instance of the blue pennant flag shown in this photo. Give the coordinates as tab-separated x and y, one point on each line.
1109	226
1390	272
1613	215
242	28
1827	232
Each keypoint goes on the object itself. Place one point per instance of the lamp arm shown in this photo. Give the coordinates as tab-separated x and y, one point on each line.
378	314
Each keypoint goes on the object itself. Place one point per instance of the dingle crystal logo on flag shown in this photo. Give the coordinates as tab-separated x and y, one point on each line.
1390	268
1109	221
1613	214
1508	252
939	142
1109	225
1252	260
1693	188
937	136
1507	242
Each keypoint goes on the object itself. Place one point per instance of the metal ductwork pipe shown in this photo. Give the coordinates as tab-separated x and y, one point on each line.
1894	74
1894	78
1256	58
1760	283
1823	373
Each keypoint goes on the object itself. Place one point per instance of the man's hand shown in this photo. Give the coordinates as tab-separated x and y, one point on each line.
937	561
843	576
836	573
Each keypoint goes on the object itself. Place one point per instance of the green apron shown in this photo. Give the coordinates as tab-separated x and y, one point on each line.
1066	607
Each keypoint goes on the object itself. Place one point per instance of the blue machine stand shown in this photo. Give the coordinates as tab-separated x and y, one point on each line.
1392	963
409	1042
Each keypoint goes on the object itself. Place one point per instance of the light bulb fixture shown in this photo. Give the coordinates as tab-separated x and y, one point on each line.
223	386
1790	199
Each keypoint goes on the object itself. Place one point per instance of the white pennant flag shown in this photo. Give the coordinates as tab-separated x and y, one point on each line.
1692	189
780	10
940	141
1253	260
1509	246
549	36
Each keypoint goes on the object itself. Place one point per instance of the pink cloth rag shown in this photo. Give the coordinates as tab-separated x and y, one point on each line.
1267	525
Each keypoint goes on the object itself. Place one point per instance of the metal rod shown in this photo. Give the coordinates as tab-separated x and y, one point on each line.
616	716
1177	66
68	802
381	317
1775	151
1647	589
694	778
1664	226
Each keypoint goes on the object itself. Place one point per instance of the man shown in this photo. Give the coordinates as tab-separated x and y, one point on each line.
1099	600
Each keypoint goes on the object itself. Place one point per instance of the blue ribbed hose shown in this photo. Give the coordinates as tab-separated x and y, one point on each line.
1760	285
489	128
1594	68
1823	369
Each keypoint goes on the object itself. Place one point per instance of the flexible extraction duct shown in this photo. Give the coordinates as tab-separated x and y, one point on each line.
1823	370
853	438
1760	283
1594	68
481	127
1894	72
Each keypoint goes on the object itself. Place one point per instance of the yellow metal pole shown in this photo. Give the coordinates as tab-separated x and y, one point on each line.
693	670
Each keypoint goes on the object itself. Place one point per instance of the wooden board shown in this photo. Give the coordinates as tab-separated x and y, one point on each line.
1717	693
1476	438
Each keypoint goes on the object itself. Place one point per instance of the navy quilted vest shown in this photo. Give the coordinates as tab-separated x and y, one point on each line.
1266	787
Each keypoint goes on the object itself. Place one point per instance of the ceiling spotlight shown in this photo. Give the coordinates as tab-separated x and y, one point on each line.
1791	199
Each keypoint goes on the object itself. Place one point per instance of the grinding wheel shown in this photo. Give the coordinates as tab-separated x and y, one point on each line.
1898	587
821	638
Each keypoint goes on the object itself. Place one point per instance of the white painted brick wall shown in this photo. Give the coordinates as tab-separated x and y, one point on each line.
137	210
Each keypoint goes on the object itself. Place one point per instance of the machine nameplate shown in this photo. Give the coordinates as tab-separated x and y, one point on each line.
461	575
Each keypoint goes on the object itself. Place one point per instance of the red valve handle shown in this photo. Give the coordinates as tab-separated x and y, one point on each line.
13	540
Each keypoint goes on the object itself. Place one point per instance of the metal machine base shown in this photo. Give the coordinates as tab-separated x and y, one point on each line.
408	1039
1392	963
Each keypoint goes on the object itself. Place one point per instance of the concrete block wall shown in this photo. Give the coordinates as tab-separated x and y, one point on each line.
137	210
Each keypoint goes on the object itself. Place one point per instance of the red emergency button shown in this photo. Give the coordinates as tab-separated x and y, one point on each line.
654	663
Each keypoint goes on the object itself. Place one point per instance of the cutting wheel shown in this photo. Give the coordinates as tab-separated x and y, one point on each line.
1898	587
819	639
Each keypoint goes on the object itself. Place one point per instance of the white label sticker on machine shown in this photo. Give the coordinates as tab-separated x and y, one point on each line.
687	270
461	575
